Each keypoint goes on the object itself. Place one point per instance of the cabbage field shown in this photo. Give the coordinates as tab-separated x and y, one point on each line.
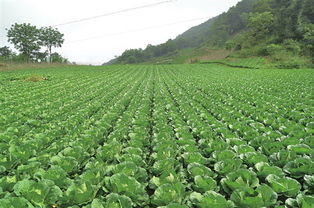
167	136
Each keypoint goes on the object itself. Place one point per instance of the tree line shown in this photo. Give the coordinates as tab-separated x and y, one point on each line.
34	44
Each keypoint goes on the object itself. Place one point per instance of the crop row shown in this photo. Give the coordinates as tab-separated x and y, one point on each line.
176	136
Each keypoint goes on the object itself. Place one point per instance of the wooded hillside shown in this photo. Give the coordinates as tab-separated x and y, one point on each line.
280	29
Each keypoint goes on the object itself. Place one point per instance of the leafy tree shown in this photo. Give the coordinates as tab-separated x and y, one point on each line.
263	6
308	11
260	24
24	37
5	51
308	39
50	37
290	15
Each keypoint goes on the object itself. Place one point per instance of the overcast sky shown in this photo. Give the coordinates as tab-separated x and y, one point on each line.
99	40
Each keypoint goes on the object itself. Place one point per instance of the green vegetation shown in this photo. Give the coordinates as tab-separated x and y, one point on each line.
280	30
251	63
29	40
9	65
166	136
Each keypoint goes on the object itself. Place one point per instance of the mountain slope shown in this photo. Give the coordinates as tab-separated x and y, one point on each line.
196	36
276	28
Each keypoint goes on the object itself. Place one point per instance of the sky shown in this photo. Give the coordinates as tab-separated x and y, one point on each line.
100	39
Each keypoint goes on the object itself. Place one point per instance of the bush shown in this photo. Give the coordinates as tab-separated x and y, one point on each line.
273	49
291	62
286	55
194	61
57	58
230	45
292	46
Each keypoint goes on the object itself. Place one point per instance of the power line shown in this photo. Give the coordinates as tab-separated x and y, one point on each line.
137	30
113	13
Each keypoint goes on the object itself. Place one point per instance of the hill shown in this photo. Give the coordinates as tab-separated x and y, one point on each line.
281	30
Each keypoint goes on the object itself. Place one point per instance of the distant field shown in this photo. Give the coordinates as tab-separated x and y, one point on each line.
16	66
168	136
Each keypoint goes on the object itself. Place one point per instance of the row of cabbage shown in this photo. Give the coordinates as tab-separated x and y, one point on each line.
157	136
59	161
258	163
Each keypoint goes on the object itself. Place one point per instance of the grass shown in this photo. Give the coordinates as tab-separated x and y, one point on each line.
35	78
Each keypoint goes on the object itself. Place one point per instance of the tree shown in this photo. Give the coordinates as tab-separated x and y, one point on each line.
308	39
50	37
57	58
263	6
260	24
41	56
24	37
131	56
5	51
308	11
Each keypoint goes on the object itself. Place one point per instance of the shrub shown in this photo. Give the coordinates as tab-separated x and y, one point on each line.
194	61
286	61
273	49
292	46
